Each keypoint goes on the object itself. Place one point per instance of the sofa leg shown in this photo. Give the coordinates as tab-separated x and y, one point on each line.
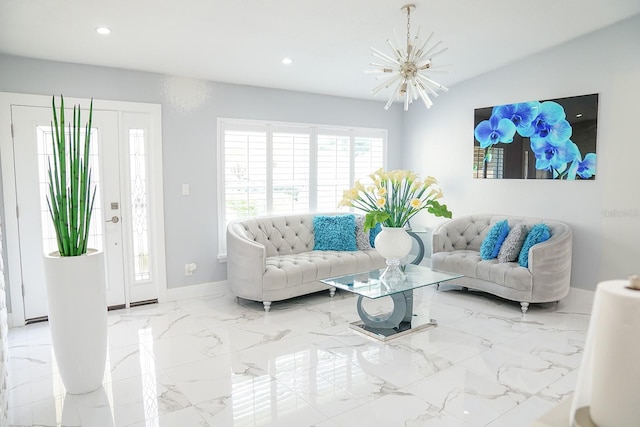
267	305
332	292
524	306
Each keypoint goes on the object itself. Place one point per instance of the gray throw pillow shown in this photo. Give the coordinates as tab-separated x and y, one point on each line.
512	245
362	238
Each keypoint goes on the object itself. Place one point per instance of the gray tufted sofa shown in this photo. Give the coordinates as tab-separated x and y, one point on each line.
456	248
272	259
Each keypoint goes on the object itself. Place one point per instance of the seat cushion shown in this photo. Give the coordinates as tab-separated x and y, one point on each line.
469	263
285	271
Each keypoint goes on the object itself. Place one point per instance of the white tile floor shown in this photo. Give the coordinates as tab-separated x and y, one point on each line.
214	362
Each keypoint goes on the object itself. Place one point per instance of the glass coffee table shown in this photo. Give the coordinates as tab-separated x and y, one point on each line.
400	321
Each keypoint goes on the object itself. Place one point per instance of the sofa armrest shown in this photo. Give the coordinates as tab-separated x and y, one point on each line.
550	266
440	241
246	263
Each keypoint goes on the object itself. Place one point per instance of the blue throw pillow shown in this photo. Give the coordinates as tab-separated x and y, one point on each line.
334	233
538	234
373	232
504	231
494	238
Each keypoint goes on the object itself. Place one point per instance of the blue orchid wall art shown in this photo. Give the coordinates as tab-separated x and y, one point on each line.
549	134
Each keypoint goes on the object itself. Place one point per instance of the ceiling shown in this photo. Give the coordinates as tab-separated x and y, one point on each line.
244	41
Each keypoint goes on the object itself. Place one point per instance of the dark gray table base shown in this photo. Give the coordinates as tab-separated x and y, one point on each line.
398	322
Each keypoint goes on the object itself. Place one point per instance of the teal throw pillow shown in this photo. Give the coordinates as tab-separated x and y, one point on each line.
334	233
538	234
373	232
494	239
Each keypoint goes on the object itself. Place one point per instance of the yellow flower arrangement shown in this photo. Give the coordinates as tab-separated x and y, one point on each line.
395	197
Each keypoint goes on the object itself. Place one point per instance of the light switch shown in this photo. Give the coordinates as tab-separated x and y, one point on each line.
185	189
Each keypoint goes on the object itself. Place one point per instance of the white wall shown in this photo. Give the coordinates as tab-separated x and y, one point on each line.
189	112
605	213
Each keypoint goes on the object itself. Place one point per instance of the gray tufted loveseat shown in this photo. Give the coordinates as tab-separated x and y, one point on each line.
456	248
272	259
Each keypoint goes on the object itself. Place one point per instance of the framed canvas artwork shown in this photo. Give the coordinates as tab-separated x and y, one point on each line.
546	139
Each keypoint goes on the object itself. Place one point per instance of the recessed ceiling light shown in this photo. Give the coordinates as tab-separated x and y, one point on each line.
287	61
103	30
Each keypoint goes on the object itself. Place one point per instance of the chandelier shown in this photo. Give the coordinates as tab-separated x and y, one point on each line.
408	69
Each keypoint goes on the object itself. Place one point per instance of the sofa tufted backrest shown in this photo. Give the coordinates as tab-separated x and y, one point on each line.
468	232
280	235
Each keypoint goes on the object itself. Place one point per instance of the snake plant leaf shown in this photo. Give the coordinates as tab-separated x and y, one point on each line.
70	206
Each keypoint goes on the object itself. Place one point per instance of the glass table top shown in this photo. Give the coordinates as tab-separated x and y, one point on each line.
368	284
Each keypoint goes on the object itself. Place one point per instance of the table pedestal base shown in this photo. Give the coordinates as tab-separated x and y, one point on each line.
386	334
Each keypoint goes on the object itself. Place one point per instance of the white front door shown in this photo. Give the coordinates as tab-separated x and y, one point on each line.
120	222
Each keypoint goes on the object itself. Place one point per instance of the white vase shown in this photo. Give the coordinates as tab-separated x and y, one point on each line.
393	243
77	301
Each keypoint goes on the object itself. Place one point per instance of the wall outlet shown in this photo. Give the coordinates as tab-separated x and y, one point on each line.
190	268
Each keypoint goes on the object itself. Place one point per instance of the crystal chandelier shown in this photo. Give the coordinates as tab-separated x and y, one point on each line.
408	69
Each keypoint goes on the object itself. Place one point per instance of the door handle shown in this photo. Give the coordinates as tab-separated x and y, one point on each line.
114	219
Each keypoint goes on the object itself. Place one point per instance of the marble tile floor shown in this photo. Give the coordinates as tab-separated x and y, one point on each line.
213	361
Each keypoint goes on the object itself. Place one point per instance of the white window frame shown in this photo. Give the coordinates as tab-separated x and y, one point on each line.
314	130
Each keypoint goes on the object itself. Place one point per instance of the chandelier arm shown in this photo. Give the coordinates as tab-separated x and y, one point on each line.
414	51
424	85
432	48
380	55
414	93
383	69
438	52
427	89
425	98
427	66
374	71
386	84
391	68
394	95
441	66
397	51
421	49
426	79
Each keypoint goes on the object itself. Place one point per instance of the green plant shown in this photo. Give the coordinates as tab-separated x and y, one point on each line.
395	197
71	195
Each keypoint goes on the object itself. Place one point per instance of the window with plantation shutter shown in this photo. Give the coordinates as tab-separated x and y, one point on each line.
368	155
334	170
290	172
270	168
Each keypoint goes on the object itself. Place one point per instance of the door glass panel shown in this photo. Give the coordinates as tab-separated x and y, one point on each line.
45	150
139	205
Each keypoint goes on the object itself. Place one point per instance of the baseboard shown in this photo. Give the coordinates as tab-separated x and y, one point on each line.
195	291
585	292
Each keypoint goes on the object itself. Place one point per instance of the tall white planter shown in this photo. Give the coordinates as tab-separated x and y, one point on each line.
76	293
